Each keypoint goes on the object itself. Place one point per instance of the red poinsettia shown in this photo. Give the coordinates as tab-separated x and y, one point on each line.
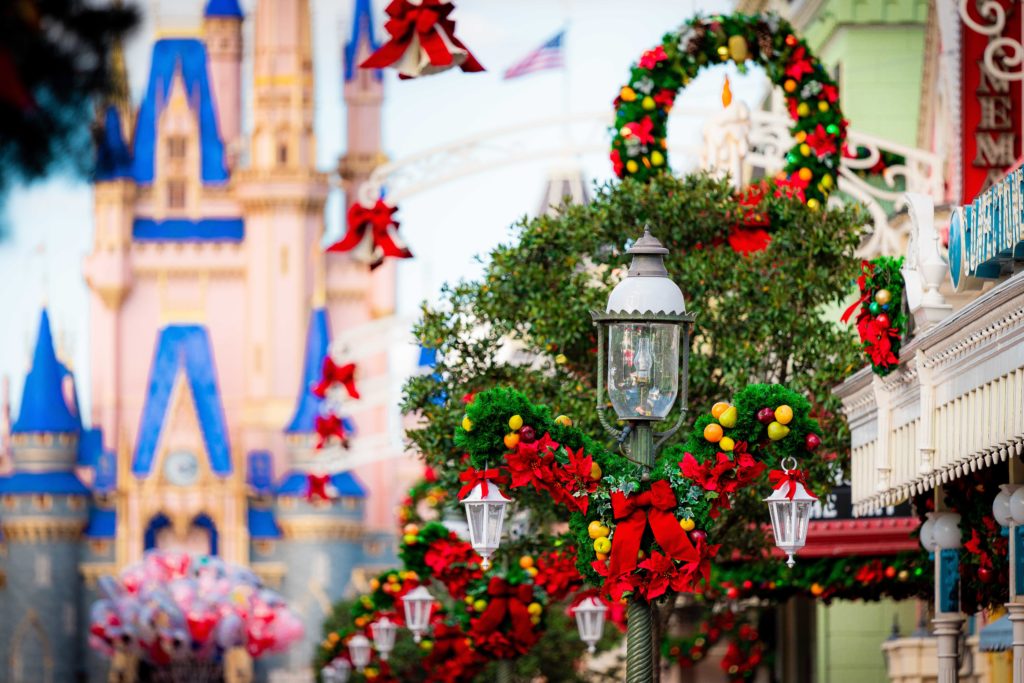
829	93
665	98
799	64
722	476
642	130
450	560
692	574
557	573
651	58
574	481
532	463
821	142
791	187
617	164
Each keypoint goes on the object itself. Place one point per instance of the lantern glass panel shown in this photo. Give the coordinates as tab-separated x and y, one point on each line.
476	516
495	521
383	636
643	369
359	650
590	614
418	604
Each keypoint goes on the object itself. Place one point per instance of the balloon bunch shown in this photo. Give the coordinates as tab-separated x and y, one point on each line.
174	607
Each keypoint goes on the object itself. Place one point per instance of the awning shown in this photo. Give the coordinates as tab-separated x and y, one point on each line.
997	636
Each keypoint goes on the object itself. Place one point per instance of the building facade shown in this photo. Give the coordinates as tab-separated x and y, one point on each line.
212	307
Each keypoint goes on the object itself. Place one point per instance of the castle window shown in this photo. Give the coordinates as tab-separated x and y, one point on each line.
264	548
43	571
99	547
10	502
282	154
76	502
42	501
176	194
176	147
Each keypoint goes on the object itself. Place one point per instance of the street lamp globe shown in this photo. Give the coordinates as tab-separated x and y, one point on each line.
1001	504
1017	505
925	533
790	509
946	531
359	650
485	511
418	604
639	336
590	613
383	631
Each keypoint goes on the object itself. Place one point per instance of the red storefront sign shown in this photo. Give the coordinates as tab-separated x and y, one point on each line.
991	107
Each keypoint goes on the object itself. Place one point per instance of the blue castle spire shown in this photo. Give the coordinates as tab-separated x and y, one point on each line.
223	8
43	408
362	29
318	340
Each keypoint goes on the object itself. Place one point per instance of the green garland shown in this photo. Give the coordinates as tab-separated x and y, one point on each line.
881	320
642	107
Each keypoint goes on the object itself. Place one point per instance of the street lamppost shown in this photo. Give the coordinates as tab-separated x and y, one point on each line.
642	333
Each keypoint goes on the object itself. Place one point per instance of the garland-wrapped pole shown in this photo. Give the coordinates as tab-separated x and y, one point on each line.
639	648
504	671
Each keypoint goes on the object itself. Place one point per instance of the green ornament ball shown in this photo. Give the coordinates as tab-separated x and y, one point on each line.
832	129
874	308
791	158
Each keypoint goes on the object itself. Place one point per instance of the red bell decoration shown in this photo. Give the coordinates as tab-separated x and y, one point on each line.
372	234
422	40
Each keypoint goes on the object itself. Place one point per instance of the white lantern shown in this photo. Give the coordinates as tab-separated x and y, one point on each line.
946	531
1017	506
790	508
337	671
359	650
925	534
418	604
383	631
590	613
485	512
1001	504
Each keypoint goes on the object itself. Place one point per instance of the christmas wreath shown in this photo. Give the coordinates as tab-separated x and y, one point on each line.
639	147
506	613
881	321
386	591
435	552
634	534
744	654
425	493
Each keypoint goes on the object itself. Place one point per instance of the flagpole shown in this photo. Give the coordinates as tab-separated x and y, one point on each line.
566	101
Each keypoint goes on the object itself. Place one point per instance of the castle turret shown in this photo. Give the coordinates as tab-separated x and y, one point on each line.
222	33
42	514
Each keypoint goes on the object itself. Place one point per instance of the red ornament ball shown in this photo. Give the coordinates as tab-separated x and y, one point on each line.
748	584
698	535
882	319
985	575
812	441
766	416
527	434
732	593
791	40
890	572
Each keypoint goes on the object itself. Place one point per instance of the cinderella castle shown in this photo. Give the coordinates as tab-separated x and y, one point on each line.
212	305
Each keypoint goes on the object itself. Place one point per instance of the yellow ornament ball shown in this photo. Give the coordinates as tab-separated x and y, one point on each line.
800	136
374	584
823	106
713	432
738	49
410	539
813	204
784	414
595	471
805	174
602	545
883	296
426	645
632	166
817	589
525	562
718	409
535	620
826	181
370	672
723	52
563	420
594	529
802	109
805	149
687	524
627	94
467	424
515	423
789	85
647	103
511	440
479	605
657	158
727	444
561	359
532	571
534	608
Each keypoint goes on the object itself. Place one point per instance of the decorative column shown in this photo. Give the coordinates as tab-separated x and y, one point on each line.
1016	610
948	619
947	633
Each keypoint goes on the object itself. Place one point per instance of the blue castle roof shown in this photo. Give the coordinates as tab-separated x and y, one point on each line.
183	348
54	482
184	57
318	340
223	8
43	408
113	158
102	523
362	29
262	523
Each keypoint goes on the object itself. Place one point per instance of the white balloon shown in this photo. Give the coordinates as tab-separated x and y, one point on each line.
927	539
946	531
1001	504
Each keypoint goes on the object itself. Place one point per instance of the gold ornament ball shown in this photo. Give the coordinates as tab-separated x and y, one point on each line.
602	544
738	49
687	524
784	414
789	85
648	103
826	181
657	158
727	444
883	296
823	106
515	423
627	94
813	204
479	605
903	575
427	645
800	136
802	109
805	149
723	52
805	174
563	420
532	571
632	166
467	424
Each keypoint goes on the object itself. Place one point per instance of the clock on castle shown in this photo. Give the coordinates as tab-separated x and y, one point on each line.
211	309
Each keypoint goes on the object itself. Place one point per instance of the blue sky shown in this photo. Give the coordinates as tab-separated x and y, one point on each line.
50	223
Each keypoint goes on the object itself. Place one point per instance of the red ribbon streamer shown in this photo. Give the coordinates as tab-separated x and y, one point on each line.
634	514
511	600
472	477
429	21
780	478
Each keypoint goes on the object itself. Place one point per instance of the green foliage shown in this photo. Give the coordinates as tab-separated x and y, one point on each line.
761	317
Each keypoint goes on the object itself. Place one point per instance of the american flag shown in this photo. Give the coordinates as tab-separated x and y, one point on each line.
547	56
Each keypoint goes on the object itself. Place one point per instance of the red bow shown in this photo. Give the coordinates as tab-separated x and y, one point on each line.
336	374
642	129
472	477
866	268
780	478
316	487
373	227
428	22
327	427
511	600
634	514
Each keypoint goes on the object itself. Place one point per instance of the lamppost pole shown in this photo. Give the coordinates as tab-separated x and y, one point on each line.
642	334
